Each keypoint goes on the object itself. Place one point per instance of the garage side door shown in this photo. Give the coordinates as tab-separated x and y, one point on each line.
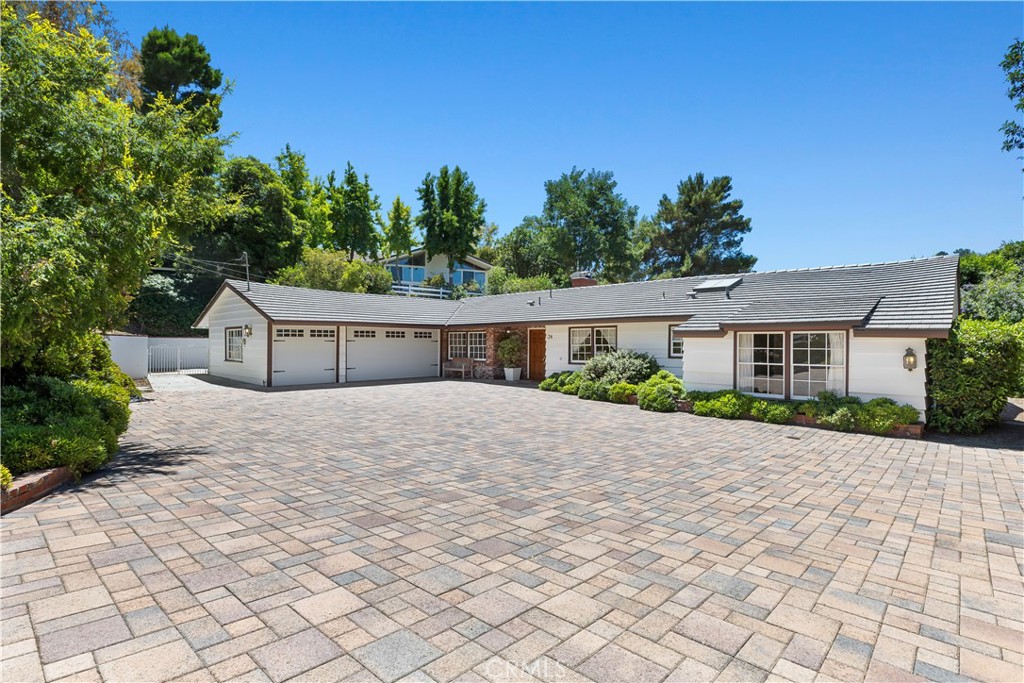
304	355
374	353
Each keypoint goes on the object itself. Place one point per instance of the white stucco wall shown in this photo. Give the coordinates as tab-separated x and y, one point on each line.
708	363
650	338
232	311
131	353
876	369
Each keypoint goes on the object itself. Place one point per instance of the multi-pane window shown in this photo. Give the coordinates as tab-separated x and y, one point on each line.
364	334
394	334
819	363
283	332
587	342
419	334
233	344
675	344
322	334
467	345
478	345
761	364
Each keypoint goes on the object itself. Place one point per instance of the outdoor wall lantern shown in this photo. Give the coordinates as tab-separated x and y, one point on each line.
247	330
910	360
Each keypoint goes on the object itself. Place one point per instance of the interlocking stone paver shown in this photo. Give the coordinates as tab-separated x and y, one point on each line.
414	530
290	656
396	655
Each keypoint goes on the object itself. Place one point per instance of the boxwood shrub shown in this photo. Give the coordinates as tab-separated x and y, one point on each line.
621	391
569	383
660	392
593	391
972	373
775	412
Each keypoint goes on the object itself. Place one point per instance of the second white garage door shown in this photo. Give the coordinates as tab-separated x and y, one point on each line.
384	353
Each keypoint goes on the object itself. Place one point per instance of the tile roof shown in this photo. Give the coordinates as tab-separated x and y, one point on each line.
919	294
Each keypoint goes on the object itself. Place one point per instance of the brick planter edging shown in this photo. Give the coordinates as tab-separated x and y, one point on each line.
914	431
30	487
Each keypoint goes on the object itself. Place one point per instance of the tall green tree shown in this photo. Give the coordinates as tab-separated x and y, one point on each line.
262	224
1013	66
398	231
699	233
310	202
451	214
522	252
588	225
92	189
487	243
355	215
178	68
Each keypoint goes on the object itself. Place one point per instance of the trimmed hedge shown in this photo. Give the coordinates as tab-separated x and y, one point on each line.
972	373
621	391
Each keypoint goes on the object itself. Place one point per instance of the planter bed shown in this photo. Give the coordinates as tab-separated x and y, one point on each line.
32	486
914	431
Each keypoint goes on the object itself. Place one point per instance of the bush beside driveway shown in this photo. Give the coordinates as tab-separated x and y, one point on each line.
460	529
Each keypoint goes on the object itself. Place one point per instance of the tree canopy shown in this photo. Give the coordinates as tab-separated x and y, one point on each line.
92	189
178	68
451	214
398	231
1013	66
355	215
699	233
992	284
331	270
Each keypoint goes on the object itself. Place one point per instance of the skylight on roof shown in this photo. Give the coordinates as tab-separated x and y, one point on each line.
717	285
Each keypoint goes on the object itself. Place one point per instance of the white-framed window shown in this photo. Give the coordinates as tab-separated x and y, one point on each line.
421	334
364	334
467	345
675	343
234	344
761	363
322	334
394	334
819	363
283	332
587	342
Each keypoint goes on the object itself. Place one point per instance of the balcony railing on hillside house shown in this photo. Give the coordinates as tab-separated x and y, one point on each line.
411	289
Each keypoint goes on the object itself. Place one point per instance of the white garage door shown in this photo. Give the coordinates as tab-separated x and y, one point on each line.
304	355
386	353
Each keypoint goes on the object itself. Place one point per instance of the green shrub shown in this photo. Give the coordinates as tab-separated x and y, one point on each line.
842	419
881	415
775	412
728	405
569	383
593	391
621	391
549	384
972	373
620	365
510	351
659	397
5	478
808	408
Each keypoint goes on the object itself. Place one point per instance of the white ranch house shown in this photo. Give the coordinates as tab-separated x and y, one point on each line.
782	334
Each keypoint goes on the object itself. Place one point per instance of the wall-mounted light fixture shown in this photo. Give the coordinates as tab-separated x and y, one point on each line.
910	360
247	330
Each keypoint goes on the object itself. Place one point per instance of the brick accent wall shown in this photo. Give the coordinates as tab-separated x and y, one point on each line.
490	368
30	487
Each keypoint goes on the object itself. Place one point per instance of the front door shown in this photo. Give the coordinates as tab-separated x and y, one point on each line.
538	354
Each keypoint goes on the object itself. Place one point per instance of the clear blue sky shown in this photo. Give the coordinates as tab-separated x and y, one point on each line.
853	132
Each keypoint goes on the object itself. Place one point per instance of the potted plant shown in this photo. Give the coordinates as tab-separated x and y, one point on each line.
510	354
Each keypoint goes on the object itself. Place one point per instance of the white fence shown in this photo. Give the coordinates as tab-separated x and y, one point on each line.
429	292
182	360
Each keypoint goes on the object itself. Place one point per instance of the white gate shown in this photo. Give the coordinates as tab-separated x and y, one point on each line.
180	360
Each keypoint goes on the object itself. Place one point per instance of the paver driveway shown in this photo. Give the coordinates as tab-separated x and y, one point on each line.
450	530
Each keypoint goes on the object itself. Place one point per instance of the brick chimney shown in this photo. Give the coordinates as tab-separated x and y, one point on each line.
582	278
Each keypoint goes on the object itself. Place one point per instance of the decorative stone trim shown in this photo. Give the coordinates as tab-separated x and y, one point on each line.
30	487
